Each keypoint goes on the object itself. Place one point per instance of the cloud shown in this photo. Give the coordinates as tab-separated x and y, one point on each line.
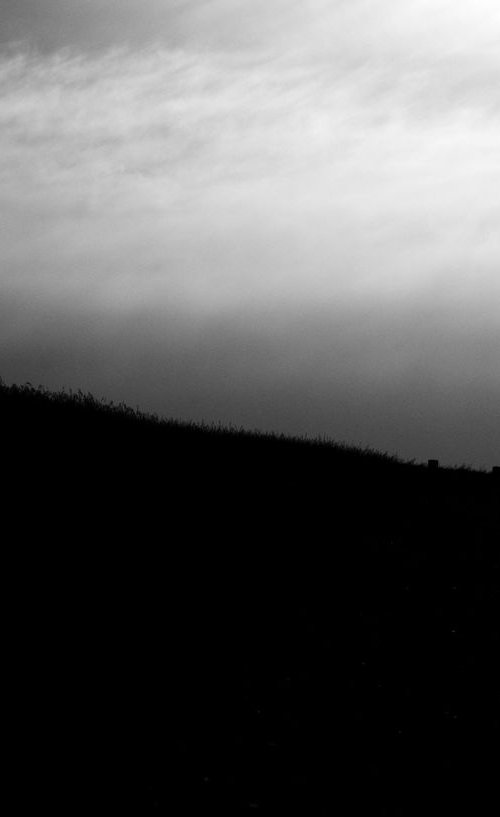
218	182
300	200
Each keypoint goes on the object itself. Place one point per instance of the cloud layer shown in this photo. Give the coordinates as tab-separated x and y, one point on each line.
285	218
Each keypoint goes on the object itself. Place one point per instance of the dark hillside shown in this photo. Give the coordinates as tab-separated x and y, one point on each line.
204	621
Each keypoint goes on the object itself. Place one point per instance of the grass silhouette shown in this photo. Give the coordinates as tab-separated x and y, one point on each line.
205	620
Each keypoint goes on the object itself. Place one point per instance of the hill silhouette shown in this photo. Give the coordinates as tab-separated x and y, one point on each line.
208	621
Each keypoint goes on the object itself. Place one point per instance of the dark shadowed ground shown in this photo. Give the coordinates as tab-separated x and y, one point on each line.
201	622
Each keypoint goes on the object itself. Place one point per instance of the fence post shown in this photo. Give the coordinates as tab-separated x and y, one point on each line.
433	465
496	471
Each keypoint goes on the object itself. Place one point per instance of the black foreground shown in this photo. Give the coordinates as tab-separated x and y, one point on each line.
201	622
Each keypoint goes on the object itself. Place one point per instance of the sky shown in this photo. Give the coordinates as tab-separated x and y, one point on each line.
279	214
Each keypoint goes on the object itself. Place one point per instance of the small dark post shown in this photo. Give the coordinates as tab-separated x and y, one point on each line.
433	464
496	471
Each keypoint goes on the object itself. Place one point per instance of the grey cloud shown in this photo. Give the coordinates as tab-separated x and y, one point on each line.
290	223
90	26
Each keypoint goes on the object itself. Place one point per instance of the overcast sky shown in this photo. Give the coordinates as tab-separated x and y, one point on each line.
283	214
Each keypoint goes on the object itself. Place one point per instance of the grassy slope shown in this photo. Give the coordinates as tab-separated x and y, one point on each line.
219	622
